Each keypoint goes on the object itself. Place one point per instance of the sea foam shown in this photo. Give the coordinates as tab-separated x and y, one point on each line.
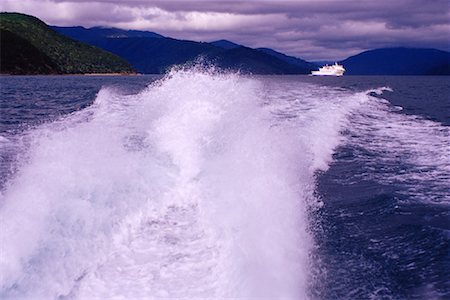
198	186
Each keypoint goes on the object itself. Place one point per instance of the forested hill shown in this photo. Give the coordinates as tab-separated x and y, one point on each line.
149	52
29	46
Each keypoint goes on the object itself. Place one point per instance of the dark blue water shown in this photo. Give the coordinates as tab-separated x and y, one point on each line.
384	239
383	230
30	100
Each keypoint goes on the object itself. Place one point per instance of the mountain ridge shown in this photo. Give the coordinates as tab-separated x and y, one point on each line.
399	61
29	46
233	56
225	44
156	55
32	40
289	59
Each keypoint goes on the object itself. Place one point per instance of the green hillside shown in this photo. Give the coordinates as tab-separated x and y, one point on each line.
29	46
18	56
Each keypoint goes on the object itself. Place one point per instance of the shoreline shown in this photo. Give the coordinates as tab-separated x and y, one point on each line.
106	74
78	74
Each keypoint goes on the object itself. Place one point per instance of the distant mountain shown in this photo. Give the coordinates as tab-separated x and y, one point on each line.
225	44
107	32
156	55
98	36
307	66
321	63
399	61
150	54
29	46
250	60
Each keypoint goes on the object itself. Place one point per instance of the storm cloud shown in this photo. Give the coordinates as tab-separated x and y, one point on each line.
311	29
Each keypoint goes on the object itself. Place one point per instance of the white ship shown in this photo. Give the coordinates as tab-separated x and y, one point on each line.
333	70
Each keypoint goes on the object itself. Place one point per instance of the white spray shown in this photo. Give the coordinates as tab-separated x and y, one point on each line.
192	188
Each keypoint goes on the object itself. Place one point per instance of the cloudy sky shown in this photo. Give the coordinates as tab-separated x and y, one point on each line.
310	29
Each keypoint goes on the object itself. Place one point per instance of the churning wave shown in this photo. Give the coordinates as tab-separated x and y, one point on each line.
199	186
402	150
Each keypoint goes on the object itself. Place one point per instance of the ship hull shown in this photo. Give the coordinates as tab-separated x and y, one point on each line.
319	73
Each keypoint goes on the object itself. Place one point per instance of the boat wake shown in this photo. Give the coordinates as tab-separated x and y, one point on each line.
198	186
184	190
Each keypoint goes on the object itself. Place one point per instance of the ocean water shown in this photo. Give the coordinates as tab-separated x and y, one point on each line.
204	184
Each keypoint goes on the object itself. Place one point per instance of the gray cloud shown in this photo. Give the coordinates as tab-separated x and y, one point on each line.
311	29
